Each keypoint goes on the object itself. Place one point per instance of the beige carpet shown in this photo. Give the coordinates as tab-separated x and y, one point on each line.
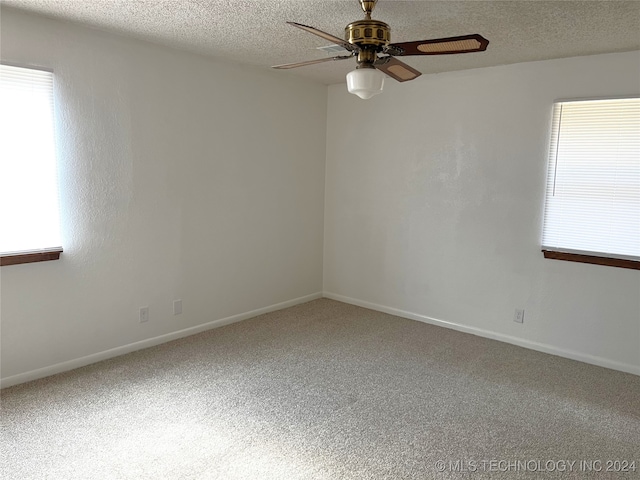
324	390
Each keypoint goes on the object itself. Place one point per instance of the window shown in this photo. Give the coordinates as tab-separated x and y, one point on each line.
30	224
592	209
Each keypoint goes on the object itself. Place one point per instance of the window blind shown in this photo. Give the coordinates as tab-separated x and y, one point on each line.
593	185
29	209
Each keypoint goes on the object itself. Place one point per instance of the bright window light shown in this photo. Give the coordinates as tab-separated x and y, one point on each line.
593	185
29	209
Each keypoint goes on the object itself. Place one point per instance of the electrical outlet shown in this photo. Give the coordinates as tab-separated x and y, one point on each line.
519	316
144	314
177	307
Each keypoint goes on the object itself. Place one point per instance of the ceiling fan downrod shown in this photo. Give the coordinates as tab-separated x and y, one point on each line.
367	7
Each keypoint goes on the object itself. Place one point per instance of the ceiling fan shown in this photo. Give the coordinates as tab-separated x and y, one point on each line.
369	41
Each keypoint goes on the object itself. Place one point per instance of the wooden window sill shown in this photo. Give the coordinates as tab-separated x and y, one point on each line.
575	257
30	257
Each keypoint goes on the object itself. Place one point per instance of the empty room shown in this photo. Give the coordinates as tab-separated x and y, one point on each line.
287	239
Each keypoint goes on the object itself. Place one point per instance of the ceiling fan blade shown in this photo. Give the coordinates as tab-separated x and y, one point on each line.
327	36
396	69
443	46
311	62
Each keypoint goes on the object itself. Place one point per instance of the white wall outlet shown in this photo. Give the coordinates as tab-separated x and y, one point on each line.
144	314
518	317
177	307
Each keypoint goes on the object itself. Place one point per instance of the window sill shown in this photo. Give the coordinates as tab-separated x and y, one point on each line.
607	261
30	257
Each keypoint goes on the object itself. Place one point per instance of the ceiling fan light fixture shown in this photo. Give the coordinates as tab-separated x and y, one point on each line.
365	82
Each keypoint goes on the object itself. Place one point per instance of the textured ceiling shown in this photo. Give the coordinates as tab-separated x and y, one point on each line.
254	32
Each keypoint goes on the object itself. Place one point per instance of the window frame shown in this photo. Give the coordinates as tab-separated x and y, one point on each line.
610	260
44	254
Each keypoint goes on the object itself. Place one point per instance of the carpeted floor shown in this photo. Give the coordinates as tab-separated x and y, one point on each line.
325	390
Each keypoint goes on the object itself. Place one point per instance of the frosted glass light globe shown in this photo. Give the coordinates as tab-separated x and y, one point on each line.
365	82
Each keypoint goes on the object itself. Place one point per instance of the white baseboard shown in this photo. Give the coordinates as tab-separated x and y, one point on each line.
541	347
149	342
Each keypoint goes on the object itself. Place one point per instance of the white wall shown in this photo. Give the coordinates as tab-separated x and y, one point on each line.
433	208
182	177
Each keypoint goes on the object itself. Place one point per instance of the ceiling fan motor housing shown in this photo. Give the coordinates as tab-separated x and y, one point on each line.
368	32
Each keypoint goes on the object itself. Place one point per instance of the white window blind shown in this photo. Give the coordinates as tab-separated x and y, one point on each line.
593	185
29	192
